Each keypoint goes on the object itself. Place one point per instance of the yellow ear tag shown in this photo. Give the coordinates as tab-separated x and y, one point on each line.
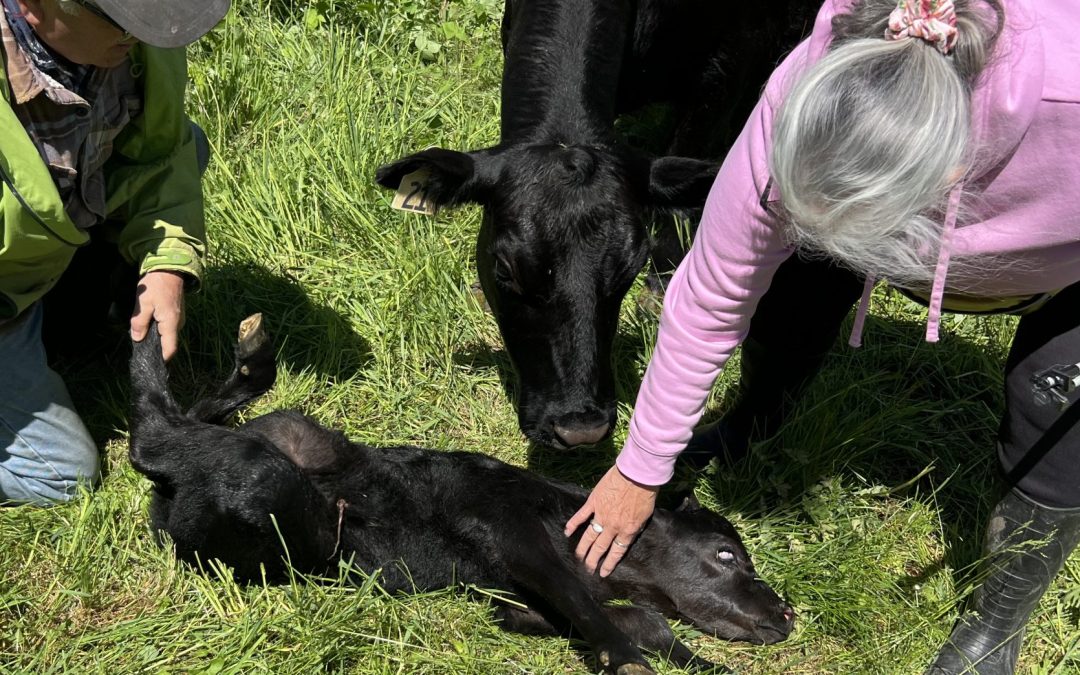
412	194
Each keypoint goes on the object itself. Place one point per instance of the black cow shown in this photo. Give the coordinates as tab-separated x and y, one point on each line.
567	204
281	485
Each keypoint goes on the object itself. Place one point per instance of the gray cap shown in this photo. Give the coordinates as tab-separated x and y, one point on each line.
165	23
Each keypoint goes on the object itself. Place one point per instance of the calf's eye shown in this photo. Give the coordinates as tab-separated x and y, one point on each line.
725	556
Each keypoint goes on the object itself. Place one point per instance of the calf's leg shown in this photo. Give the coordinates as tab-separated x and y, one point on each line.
646	628
157	423
254	372
650	630
533	563
524	620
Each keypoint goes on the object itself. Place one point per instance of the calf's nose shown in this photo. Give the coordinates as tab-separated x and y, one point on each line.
573	435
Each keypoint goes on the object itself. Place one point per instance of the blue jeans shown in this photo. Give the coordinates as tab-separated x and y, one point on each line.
45	449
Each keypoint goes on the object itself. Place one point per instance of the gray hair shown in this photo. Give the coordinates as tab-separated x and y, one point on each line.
872	137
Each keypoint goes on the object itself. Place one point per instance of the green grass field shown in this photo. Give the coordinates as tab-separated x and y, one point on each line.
865	512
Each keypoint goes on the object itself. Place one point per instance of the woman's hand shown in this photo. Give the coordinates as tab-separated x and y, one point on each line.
159	296
616	510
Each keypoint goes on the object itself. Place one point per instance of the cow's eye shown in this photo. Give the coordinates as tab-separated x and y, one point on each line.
725	556
504	275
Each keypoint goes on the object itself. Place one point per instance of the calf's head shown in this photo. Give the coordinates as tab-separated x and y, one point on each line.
698	569
564	235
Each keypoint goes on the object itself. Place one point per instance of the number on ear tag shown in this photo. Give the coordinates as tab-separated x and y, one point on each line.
412	194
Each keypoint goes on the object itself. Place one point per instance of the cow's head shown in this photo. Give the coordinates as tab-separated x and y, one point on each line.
563	237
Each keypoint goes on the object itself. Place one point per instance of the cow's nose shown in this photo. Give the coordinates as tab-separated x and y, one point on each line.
572	434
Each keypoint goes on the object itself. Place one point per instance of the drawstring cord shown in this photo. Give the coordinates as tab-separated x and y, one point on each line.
934	319
855	340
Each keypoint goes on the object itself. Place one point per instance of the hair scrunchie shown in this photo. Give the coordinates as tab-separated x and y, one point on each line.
931	20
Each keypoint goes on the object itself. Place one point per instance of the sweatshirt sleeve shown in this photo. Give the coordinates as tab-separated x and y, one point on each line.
708	304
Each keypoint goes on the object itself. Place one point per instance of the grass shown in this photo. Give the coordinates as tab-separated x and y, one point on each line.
865	511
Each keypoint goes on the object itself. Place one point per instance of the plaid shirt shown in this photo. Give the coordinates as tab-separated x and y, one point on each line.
74	133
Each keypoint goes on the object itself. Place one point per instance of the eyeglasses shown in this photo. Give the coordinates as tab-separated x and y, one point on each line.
99	13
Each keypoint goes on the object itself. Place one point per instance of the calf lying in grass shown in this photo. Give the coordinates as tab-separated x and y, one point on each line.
282	485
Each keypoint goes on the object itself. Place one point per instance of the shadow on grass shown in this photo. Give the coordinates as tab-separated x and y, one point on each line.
482	357
917	418
898	412
626	351
584	465
307	335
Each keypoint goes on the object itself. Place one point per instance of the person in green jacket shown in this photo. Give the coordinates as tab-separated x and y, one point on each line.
101	207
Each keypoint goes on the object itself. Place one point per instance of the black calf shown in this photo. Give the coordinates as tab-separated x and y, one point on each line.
423	520
567	205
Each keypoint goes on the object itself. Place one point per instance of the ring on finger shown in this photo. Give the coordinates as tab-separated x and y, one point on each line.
619	544
596	527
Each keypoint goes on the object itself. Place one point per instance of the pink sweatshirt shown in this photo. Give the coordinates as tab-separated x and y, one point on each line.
1026	115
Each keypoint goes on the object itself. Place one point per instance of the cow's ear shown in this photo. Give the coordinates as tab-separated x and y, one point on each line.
689	503
680	182
452	177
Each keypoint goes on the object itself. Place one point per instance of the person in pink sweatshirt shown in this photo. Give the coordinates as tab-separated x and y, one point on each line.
934	144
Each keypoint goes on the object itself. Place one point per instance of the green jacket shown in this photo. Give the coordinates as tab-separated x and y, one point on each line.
153	191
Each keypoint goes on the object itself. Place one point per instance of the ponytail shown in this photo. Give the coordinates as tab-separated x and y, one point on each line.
871	138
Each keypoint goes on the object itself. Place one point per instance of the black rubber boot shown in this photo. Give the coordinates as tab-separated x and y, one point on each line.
1027	545
770	380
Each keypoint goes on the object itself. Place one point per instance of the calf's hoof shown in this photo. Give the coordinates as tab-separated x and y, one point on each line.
628	663
255	355
251	337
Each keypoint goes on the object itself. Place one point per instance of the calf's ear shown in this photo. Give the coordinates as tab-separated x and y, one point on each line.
453	177
680	182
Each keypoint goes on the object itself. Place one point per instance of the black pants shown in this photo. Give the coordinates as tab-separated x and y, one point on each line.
1040	444
799	318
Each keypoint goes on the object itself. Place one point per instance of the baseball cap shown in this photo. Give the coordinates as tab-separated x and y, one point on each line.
165	23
